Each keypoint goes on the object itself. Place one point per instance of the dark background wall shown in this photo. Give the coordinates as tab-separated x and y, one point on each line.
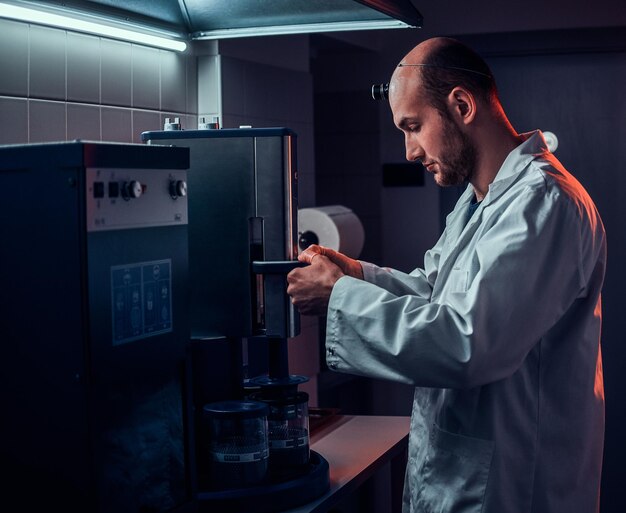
571	87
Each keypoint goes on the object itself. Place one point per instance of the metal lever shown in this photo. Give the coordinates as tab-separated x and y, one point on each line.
278	267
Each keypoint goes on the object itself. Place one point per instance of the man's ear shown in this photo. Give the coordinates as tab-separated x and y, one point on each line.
462	105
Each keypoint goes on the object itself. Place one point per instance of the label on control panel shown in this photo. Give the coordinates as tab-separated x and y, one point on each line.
141	294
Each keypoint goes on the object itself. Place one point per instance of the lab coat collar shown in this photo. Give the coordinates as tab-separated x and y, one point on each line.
534	145
457	225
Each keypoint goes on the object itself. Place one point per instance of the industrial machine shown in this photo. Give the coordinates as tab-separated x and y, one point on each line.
94	276
243	210
243	240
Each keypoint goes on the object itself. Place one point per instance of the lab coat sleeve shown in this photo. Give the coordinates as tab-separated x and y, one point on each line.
419	282
526	272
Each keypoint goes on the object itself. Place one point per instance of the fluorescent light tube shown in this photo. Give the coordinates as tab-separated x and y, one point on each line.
305	28
66	22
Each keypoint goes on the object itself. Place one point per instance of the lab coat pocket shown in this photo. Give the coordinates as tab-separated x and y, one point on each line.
454	473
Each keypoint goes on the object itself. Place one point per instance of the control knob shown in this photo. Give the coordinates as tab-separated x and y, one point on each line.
132	189
178	188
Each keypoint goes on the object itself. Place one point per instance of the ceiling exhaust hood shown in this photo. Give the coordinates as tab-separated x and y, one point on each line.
186	20
219	19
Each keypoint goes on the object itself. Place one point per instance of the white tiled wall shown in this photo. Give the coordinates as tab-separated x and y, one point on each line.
59	85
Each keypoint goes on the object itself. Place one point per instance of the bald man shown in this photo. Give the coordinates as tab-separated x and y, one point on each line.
500	331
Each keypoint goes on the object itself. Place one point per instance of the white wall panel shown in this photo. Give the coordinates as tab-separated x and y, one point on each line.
13	58
83	68
47	121
116	72
83	122
47	63
144	121
116	124
14	112
146	76
173	81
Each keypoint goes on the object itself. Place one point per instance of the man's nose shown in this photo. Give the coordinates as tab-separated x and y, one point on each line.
413	150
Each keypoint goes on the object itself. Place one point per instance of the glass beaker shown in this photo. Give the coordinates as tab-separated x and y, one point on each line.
238	449
288	433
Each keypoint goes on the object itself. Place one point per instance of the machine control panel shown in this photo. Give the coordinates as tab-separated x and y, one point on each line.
135	198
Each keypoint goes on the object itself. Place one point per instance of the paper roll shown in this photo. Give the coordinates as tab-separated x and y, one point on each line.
333	226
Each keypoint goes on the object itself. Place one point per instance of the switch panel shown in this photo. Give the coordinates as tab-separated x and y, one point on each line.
114	189
136	198
98	190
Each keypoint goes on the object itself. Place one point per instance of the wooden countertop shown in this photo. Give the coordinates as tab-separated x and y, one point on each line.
355	448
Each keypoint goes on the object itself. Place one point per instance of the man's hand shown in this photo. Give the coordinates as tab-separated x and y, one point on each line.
310	287
347	265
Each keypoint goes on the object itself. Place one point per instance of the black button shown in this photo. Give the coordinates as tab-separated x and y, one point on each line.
114	189
98	190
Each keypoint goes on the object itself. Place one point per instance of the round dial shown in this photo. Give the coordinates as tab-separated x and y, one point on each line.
178	188
134	189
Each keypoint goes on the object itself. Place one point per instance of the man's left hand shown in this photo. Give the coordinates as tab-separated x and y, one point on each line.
310	287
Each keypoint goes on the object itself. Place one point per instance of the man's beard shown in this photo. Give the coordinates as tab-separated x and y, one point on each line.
458	164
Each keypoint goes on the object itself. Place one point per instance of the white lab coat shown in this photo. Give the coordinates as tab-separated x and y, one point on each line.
500	334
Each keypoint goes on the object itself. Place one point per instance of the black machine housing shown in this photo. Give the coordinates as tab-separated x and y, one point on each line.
93	385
